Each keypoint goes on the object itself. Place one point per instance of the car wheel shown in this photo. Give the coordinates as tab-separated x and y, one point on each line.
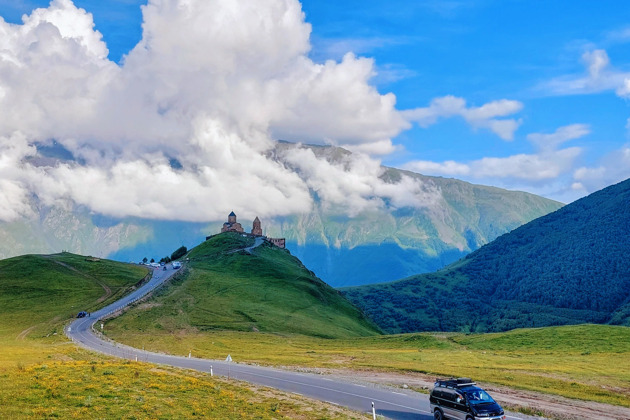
469	418
437	415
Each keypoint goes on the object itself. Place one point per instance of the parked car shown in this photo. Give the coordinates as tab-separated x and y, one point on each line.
176	264
462	399
82	314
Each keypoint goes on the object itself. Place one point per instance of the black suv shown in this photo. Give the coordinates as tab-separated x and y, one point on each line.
461	399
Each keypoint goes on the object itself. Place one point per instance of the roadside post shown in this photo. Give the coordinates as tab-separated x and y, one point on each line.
373	411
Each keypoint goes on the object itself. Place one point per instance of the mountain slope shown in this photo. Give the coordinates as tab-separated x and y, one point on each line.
568	267
381	243
224	287
40	291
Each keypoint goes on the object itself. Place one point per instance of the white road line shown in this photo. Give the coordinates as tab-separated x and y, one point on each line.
335	390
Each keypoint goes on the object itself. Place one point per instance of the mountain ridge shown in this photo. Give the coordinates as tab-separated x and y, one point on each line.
567	267
398	241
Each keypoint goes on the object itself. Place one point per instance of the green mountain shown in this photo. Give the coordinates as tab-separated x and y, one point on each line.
380	244
568	267
224	287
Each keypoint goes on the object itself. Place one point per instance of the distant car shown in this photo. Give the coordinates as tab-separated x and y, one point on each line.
162	264
462	399
82	314
176	264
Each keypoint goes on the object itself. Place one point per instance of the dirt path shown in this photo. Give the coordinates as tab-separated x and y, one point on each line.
23	334
108	291
553	407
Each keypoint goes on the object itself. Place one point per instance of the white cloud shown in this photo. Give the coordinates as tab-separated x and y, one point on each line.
560	136
353	183
599	76
484	116
211	83
613	168
14	193
547	164
449	168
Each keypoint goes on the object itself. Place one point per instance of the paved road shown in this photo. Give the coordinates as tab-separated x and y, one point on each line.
391	403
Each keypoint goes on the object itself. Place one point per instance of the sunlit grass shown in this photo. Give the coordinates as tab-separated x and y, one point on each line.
131	390
588	362
43	375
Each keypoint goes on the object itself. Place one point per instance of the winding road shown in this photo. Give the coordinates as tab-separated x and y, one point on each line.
390	403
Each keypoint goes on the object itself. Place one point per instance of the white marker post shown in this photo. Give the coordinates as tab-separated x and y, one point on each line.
211	371
189	354
373	411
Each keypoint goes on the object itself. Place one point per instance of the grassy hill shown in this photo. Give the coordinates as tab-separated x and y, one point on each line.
39	292
224	287
43	375
568	267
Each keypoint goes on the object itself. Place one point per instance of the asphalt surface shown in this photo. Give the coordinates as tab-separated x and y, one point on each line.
397	404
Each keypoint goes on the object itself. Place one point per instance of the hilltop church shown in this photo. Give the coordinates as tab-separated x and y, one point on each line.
233	226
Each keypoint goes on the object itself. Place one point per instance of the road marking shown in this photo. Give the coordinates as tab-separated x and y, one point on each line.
122	352
334	390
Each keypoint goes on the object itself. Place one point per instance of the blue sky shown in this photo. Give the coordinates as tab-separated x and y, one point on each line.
517	94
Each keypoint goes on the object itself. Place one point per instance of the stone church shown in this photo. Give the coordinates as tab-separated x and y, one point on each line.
233	226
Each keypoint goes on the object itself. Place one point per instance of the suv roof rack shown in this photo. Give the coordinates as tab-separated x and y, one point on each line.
454	382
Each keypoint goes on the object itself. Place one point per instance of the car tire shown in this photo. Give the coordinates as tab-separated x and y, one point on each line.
469	418
437	415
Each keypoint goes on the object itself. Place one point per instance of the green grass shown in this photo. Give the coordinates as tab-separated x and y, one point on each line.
39	293
43	375
128	390
586	362
266	308
223	288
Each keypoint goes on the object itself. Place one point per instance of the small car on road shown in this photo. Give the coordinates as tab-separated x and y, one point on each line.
82	314
462	399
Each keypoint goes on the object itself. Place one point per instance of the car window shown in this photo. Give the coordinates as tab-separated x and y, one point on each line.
479	396
449	395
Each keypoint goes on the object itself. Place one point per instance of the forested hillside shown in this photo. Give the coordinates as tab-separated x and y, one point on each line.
568	267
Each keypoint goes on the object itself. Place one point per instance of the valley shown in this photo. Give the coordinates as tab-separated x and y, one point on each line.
262	306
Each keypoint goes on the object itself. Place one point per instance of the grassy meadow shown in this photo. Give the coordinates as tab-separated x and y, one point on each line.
43	375
40	293
267	308
130	390
587	362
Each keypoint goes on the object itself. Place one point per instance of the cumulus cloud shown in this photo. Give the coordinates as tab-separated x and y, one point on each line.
14	192
485	116
354	183
211	84
548	163
599	75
